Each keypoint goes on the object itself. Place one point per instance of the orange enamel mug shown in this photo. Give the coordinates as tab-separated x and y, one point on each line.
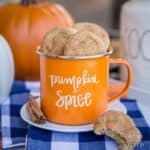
74	90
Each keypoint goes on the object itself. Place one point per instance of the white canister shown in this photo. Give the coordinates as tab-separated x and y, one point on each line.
135	36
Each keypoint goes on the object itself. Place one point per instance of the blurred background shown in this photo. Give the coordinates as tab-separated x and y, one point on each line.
103	12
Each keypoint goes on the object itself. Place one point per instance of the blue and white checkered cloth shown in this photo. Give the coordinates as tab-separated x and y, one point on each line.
14	129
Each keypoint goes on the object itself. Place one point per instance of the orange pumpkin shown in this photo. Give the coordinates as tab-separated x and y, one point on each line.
24	25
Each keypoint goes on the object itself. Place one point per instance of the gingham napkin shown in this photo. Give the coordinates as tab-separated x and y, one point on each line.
14	129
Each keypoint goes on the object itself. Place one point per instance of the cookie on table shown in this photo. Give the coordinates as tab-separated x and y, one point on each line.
97	30
54	41
119	127
83	43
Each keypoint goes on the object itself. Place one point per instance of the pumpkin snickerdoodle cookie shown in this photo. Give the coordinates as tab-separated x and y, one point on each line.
119	127
54	41
82	43
97	30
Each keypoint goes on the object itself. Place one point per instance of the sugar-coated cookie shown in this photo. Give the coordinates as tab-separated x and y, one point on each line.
97	30
54	41
120	127
83	43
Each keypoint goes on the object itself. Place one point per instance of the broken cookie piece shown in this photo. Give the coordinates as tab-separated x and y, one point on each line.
119	127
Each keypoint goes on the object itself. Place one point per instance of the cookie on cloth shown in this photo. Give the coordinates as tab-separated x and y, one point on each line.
97	30
119	127
83	43
54	41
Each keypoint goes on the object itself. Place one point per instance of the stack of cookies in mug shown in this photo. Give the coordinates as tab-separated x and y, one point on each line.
83	39
87	39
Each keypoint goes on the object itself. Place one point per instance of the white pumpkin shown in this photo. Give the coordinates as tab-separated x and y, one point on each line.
6	69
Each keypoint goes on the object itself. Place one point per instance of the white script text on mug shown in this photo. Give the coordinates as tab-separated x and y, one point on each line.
75	100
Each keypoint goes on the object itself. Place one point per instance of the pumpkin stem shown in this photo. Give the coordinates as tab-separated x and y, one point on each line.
28	2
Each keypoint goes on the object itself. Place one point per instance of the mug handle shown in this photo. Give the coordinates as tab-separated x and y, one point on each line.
127	84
